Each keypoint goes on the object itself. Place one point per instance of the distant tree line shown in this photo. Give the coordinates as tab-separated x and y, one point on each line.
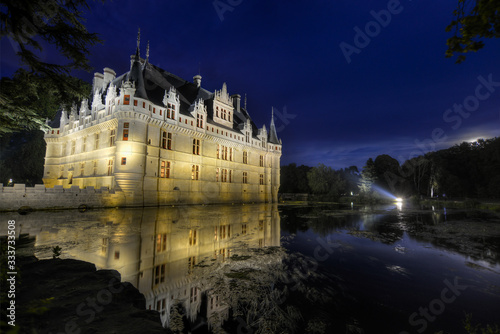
467	170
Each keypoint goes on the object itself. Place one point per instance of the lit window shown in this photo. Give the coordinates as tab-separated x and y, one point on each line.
245	177
84	144
195	172
82	168
124	160
261	161
126	100
199	121
192	237
165	169
196	146
247	137
217	174
245	157
95	168
125	131
161	242
261	179
135	103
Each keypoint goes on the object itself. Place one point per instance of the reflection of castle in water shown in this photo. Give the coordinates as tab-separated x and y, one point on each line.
167	253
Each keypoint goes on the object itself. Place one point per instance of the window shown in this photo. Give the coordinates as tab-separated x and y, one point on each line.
94	172
96	142
217	175
195	172
159	274
112	137
244	229
261	161
166	140
245	177
82	168
245	157
247	137
171	111
73	146
110	167
261	179
161	242
125	131
224	152
124	160
165	169
191	264
223	177
126	100
230	176
144	105
104	245
84	144
135	103
192	237
196	146
194	295
161	306
217	111
154	110
199	121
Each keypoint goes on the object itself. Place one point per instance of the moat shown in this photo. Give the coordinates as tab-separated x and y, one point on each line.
265	268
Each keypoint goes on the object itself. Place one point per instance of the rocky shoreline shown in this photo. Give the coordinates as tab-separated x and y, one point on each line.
71	296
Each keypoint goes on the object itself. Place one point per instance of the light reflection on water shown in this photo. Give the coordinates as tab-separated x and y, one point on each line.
250	267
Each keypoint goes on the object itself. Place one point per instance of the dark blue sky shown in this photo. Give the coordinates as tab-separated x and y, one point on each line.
391	98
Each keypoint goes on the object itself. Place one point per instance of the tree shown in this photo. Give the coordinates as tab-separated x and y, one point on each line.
474	20
324	180
31	26
387	172
368	177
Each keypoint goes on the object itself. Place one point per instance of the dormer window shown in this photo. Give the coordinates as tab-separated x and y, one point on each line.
199	121
126	100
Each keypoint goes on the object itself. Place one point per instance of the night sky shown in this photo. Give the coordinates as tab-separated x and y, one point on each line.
390	95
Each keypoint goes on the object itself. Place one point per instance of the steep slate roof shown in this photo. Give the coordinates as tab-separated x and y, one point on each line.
151	82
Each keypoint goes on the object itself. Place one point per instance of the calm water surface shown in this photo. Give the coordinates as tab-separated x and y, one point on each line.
268	269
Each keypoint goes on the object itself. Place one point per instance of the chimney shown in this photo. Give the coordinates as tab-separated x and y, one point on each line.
98	80
109	75
236	101
197	80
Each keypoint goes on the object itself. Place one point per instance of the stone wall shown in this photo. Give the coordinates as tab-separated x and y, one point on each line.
39	197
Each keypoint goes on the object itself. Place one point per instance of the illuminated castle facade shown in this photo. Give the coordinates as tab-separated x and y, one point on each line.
153	138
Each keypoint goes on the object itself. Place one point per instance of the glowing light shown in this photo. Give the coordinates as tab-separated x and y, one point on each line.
399	200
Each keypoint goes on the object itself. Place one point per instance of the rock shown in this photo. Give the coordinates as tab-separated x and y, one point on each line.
70	296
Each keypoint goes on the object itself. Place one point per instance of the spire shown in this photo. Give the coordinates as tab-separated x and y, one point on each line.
147	53
273	137
245	101
138	43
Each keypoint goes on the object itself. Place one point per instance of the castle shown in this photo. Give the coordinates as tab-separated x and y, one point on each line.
155	139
